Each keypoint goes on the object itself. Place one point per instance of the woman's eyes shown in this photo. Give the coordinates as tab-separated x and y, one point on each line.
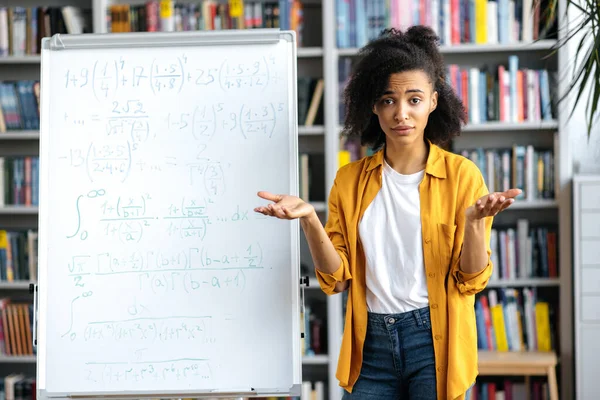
414	100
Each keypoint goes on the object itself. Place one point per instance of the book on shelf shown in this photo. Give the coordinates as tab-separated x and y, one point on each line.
19	181
312	177
351	150
313	327
509	320
509	389
455	21
310	104
504	93
524	252
172	16
18	255
22	28
16	326
527	168
19	105
18	386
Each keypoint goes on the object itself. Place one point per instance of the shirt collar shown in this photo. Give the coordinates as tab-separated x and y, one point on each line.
435	165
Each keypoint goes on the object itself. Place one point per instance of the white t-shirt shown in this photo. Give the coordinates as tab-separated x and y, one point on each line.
390	232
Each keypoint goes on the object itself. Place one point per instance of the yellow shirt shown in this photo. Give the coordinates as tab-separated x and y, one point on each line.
451	184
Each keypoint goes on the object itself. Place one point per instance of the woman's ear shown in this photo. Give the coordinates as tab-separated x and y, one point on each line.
375	109
434	101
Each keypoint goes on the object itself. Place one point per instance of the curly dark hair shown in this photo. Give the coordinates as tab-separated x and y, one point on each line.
392	52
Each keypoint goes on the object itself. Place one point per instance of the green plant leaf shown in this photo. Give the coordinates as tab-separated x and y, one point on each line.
587	58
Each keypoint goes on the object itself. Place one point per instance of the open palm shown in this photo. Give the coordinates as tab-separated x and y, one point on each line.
284	206
491	204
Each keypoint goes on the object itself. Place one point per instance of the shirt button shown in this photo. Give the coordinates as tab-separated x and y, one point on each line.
431	274
438	337
427	240
434	306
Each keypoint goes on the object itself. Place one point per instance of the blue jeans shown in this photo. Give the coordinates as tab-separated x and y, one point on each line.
398	358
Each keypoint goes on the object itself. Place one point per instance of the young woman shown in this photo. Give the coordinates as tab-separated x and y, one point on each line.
408	229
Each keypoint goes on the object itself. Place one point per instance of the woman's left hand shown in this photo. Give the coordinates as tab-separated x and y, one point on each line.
491	204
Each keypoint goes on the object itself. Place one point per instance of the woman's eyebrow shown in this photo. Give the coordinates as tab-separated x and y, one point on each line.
389	91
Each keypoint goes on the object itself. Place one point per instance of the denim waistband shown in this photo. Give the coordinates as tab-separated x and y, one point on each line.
418	317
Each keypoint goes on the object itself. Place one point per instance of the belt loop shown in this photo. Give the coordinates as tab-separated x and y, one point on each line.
417	315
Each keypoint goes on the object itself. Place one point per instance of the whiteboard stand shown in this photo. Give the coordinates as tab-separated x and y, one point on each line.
156	278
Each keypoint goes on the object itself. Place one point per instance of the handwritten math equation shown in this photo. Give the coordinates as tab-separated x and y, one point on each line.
196	270
115	373
128	218
120	150
109	77
117	140
191	259
130	119
195	330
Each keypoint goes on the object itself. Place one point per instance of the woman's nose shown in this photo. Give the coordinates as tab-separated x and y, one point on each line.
401	113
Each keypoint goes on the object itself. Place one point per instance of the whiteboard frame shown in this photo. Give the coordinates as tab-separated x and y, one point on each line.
64	42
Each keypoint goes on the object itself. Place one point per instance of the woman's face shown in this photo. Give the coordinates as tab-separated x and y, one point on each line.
404	109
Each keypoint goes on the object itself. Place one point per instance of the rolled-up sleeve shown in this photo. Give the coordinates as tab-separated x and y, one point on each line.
473	283
335	231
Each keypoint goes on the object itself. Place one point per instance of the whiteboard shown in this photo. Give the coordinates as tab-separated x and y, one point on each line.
156	275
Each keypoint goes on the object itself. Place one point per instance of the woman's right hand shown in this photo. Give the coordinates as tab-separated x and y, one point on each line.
284	206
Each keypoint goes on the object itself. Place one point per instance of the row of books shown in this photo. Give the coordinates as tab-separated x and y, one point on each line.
509	390
19	181
527	168
314	339
18	255
310	101
18	386
172	16
16	327
19	105
509	320
312	177
505	93
455	21
524	252
351	150
22	28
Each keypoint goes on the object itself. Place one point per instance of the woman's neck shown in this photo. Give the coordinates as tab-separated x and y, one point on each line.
407	159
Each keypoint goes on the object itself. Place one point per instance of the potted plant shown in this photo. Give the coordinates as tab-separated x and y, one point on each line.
585	33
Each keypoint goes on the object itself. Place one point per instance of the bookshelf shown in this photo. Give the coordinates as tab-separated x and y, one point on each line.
319	58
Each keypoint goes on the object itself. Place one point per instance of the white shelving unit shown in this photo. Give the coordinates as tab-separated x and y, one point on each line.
17	359
18	210
326	138
21	135
20	60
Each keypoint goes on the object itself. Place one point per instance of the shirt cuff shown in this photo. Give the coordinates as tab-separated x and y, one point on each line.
472	283
328	281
